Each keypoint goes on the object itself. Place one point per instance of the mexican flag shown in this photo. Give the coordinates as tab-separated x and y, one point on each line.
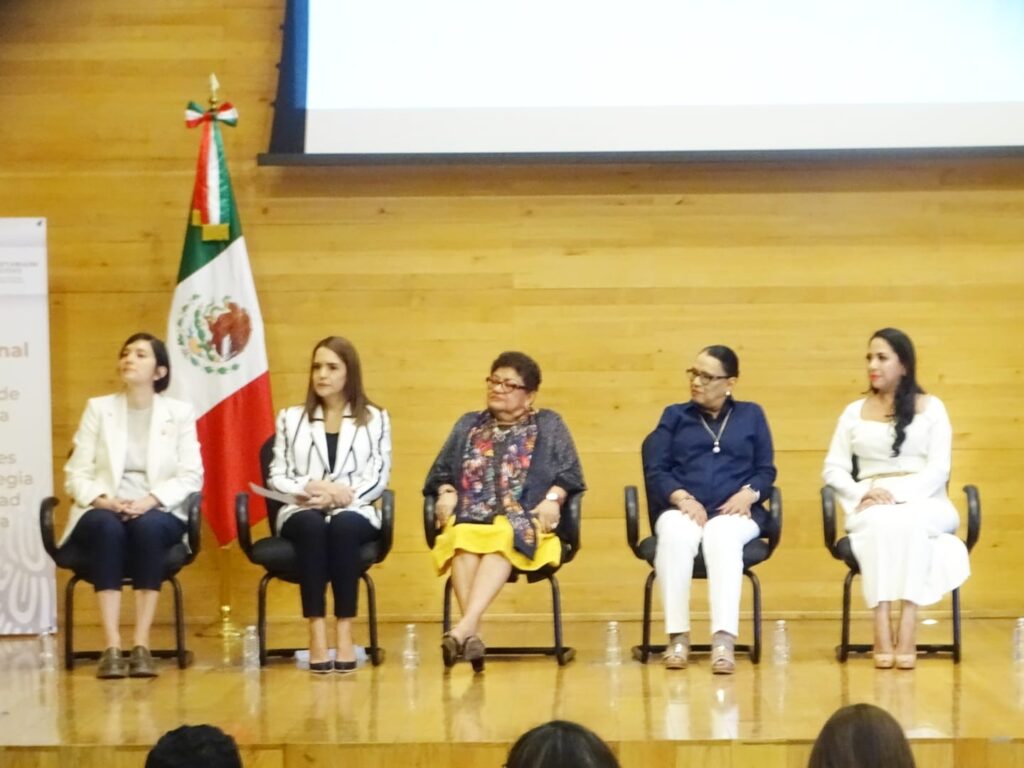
215	333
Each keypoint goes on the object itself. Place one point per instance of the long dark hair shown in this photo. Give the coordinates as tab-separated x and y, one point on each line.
905	400
560	744
861	736
353	391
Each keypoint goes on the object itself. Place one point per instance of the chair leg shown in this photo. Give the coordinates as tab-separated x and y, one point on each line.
563	654
843	651
69	623
261	617
755	650
179	624
956	625
374	651
645	648
446	622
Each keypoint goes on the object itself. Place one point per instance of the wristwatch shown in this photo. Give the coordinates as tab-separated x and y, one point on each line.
552	496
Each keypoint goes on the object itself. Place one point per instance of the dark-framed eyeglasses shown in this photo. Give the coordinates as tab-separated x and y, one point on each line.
705	378
503	385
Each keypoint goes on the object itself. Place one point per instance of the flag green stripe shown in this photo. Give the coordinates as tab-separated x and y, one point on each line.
227	200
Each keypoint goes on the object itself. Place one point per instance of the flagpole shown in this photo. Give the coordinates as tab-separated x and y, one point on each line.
223	627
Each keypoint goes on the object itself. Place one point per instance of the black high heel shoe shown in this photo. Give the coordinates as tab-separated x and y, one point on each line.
320	667
345	667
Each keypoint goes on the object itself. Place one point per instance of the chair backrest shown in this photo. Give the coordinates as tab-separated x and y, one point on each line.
646	459
266	457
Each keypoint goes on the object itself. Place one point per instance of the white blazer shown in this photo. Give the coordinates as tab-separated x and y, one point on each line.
363	459
174	465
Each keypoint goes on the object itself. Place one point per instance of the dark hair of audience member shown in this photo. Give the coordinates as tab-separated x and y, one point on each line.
861	736
560	744
194	745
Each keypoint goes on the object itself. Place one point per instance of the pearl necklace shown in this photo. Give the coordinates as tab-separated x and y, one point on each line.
716	448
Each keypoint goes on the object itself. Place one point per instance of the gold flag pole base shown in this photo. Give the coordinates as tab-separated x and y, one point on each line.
223	627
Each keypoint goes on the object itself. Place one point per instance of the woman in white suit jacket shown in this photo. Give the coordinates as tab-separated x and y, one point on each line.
334	453
136	458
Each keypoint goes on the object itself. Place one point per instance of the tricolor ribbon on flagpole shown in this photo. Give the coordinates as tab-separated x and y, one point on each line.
211	197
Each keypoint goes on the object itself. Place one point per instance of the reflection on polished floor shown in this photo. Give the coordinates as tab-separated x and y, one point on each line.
285	716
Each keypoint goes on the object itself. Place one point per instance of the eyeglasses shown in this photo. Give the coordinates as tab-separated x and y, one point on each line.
705	378
503	385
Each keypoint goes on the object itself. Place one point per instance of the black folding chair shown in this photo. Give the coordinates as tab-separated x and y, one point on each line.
277	556
76	559
755	551
569	533
842	550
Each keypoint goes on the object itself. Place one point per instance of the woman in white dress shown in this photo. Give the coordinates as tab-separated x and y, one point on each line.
898	516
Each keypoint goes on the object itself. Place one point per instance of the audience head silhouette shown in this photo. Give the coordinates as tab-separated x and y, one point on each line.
194	745
560	744
861	736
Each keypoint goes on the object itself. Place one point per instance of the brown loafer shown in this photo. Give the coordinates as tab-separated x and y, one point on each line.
473	651
112	666
450	649
723	661
140	663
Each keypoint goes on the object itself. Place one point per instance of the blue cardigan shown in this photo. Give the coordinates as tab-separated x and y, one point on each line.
678	454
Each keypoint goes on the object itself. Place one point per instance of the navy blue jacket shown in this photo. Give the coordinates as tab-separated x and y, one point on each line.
678	454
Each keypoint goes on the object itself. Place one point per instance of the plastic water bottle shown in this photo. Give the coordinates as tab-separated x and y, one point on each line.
612	645
250	650
48	649
780	643
1018	641
411	649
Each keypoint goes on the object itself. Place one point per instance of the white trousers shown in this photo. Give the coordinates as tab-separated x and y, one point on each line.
908	551
679	539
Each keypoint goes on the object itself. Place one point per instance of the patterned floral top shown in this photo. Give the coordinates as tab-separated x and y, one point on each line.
506	470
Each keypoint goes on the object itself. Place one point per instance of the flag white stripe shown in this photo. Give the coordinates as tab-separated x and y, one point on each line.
227	275
213	181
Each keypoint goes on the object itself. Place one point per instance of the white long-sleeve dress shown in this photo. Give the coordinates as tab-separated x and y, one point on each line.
906	550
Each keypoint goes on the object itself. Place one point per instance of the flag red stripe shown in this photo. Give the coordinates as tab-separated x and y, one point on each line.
201	192
231	434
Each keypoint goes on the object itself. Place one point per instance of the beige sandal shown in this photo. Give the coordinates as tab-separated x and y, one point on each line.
906	660
676	655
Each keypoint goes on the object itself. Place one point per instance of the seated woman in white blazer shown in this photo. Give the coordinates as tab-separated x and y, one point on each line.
136	458
335	453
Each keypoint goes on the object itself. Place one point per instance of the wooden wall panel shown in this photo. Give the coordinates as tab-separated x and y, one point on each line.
611	275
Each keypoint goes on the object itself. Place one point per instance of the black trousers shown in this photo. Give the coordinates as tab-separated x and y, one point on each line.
135	548
328	551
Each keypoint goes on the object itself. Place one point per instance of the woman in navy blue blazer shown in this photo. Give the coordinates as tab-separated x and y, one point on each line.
707	465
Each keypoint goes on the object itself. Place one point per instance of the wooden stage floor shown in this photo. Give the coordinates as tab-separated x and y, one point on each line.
966	714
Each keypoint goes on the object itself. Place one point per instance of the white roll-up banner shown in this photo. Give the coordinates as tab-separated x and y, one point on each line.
27	587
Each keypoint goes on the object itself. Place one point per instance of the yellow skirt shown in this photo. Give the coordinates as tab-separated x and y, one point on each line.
484	538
